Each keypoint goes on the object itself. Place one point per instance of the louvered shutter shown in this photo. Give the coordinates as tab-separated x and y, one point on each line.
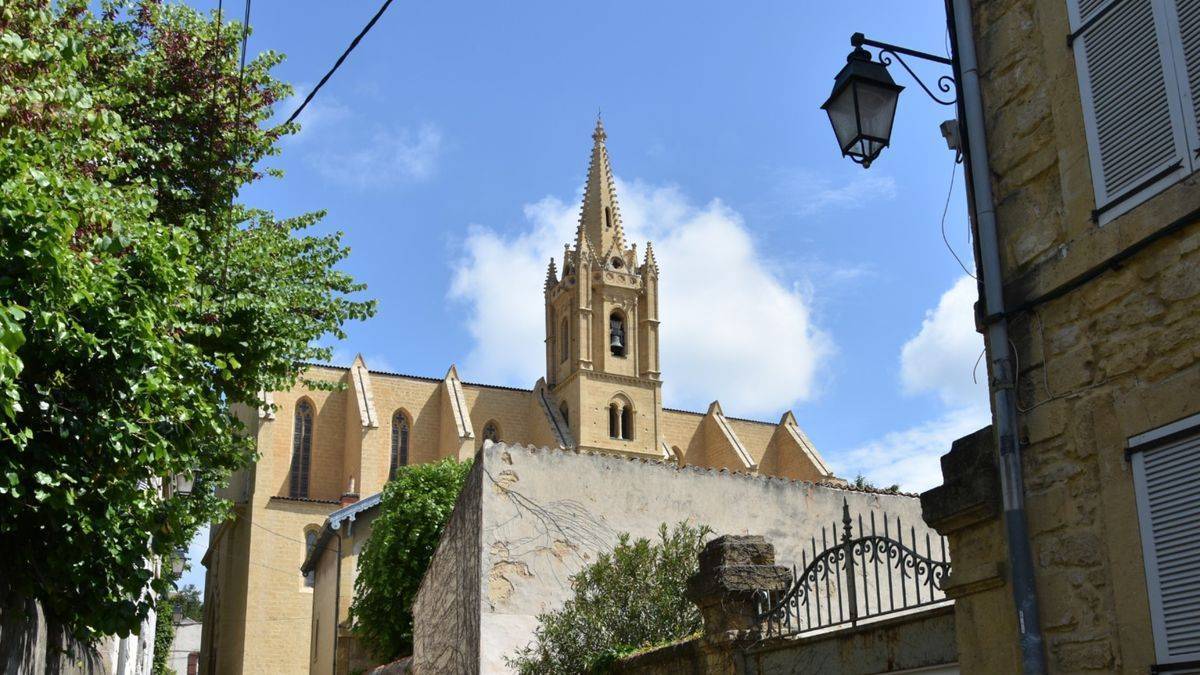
1131	105
1167	485
1183	21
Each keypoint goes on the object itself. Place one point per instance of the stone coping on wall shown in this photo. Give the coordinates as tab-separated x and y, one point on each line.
746	475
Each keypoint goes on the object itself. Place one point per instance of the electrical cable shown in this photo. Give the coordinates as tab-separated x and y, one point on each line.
338	64
945	210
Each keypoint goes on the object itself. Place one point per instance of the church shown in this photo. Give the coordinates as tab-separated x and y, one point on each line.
602	392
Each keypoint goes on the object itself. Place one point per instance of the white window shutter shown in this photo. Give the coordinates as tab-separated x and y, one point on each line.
1167	486
1183	22
1131	105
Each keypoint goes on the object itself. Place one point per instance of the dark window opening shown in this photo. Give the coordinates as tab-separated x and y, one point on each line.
616	334
301	450
491	432
627	423
399	455
564	341
614	422
607	217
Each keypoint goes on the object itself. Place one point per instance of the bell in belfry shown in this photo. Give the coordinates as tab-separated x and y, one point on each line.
617	335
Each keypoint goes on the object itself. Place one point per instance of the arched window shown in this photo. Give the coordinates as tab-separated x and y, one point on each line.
310	543
607	217
614	421
627	422
301	450
399	443
616	334
491	432
564	341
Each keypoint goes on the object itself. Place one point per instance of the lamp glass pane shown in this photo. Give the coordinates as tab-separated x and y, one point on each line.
843	117
877	109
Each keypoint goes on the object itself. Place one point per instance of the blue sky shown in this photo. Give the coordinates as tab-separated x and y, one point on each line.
452	146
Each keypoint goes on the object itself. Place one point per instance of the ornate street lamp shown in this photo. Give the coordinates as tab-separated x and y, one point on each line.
862	106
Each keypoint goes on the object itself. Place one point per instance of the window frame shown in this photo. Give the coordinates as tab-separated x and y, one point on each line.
300	468
493	424
399	454
1137	447
1169	48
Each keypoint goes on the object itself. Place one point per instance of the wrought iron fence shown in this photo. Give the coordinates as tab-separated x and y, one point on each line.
857	578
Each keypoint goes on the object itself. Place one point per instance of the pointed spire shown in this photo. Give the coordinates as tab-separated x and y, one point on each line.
650	264
551	275
600	216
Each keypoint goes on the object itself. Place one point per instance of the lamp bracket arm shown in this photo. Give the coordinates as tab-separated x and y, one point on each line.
888	52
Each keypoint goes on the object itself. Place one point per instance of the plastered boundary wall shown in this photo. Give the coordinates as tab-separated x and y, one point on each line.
544	514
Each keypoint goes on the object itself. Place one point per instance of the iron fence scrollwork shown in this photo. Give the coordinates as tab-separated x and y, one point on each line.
851	578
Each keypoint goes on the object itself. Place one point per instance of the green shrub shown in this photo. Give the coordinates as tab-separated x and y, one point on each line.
630	598
413	512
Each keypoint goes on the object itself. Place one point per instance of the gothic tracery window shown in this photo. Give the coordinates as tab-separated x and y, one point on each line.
491	432
399	455
301	450
620	419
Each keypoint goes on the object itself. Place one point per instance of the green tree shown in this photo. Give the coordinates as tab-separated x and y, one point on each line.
413	512
190	600
137	299
630	598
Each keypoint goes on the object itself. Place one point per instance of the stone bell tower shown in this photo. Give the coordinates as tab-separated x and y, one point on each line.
602	326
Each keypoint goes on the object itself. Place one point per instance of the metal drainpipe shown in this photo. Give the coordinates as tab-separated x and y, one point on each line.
1020	556
337	592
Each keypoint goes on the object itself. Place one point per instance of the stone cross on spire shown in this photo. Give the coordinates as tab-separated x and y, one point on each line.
600	217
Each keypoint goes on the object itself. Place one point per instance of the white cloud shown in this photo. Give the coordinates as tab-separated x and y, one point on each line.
732	328
810	193
938	360
392	156
910	457
941	357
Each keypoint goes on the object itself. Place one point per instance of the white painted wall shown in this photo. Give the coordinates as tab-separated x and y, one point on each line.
546	513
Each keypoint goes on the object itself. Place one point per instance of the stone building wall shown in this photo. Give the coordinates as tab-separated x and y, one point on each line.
446	611
1100	363
544	514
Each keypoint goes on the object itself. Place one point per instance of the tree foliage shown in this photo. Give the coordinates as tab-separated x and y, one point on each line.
630	598
864	483
137	300
190	601
414	510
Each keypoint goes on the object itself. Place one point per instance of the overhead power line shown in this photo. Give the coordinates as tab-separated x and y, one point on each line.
353	43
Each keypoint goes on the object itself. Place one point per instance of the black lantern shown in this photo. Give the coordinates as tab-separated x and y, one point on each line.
862	107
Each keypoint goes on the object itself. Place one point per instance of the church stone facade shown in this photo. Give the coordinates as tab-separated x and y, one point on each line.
320	449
